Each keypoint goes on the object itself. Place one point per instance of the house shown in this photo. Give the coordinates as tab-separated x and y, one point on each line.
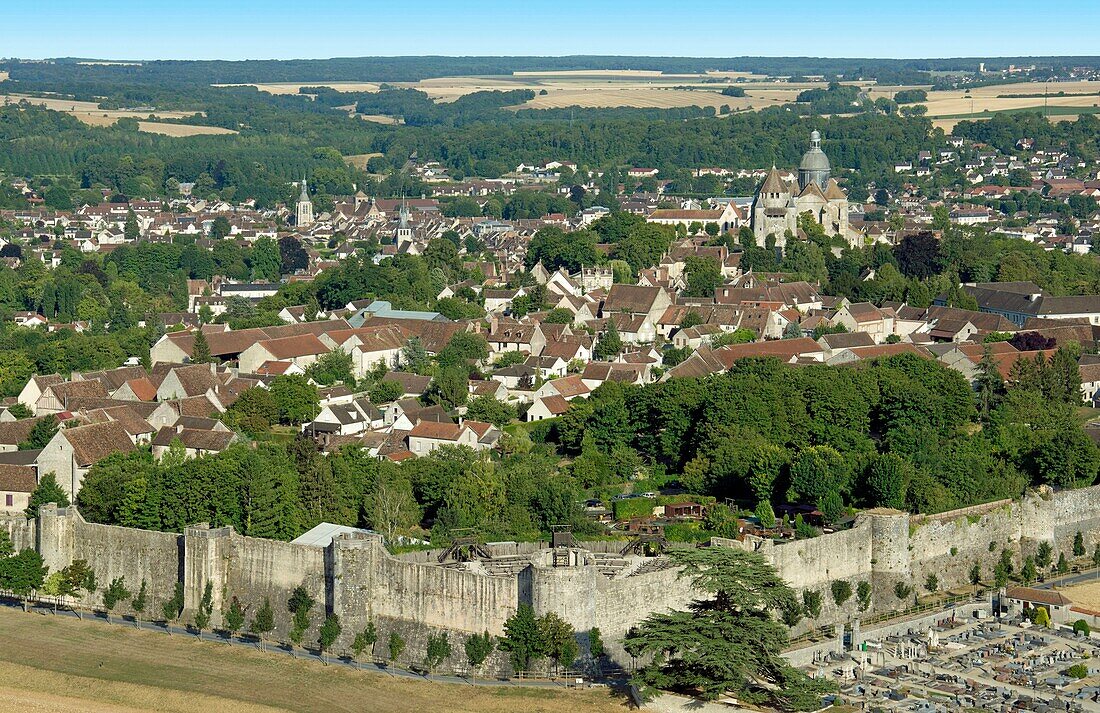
545	407
404	414
426	436
412	385
650	302
345	419
73	451
509	336
301	350
57	398
865	317
35	387
369	347
1018	600
17	482
195	442
568	387
187	381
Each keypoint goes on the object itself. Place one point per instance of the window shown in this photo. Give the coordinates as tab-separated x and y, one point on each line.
9	499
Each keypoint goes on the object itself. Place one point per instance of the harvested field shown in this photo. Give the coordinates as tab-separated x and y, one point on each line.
292	88
181	130
61	664
90	113
3	76
360	160
381	118
956	103
1086	595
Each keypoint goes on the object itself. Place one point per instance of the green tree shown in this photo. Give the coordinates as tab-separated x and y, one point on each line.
200	349
364	641
478	648
559	639
1043	555
931	582
263	622
296	399
887	478
1078	545
727	643
47	491
254	411
438	650
299	605
595	644
609	343
265	260
811	603
523	638
130	230
329	633
139	602
841	590
205	609
172	608
114	593
385	391
1027	572
1042	617
1063	565
41	433
976	574
395	646
23	573
863	595
233	618
765	514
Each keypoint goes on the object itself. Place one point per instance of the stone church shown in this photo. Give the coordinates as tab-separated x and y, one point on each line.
777	204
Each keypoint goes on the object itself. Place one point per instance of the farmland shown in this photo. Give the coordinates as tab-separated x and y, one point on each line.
91	114
61	664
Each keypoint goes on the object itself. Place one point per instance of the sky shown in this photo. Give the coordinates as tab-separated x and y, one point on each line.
285	29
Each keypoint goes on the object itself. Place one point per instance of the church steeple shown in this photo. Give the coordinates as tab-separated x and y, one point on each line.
304	209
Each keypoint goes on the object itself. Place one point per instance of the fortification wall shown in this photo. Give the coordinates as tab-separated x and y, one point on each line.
816	561
360	581
20	530
368	583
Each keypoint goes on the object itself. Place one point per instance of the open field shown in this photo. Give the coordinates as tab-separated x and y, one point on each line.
1086	595
360	160
956	103
292	88
60	664
91	114
3	76
156	127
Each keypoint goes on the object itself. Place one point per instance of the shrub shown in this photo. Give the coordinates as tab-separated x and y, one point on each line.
902	590
1077	670
1081	627
842	592
811	602
932	582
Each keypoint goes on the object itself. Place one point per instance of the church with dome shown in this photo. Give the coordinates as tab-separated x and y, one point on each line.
778	203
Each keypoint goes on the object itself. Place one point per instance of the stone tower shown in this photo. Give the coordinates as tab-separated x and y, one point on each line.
404	230
815	166
304	213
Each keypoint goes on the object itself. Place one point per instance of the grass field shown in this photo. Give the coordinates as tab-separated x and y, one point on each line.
60	664
292	88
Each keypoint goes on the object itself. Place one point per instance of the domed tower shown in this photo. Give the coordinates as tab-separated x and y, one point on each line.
815	165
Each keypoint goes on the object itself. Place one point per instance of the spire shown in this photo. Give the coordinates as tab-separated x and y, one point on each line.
305	192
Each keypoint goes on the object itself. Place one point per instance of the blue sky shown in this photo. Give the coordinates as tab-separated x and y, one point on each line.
282	29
